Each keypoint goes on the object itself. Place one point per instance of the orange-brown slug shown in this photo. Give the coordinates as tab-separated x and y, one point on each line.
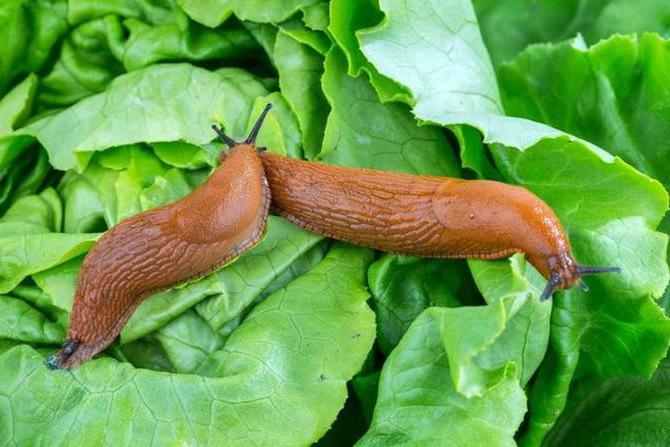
425	216
437	217
165	246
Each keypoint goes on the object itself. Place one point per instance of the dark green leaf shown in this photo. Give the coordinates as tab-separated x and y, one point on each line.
508	27
403	287
363	132
159	103
614	95
618	413
418	402
300	69
30	28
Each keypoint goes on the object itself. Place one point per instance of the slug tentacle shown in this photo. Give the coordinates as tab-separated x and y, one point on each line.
559	279
251	139
592	270
582	285
253	134
225	138
550	288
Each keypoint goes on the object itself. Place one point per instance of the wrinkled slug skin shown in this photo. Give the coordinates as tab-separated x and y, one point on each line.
165	246
416	215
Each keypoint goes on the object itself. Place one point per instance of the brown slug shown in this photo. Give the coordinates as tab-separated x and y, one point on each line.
437	217
165	246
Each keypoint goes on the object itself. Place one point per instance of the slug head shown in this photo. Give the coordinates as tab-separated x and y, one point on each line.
251	139
566	273
546	244
65	358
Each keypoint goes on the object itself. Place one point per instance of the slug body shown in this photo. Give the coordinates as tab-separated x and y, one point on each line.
406	214
166	246
437	217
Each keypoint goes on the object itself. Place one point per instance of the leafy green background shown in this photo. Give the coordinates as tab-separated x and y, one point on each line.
105	111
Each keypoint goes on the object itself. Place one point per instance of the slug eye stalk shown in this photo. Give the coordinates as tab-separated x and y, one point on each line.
591	270
556	280
251	139
551	287
225	138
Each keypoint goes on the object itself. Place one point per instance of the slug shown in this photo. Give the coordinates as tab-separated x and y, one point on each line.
437	217
165	246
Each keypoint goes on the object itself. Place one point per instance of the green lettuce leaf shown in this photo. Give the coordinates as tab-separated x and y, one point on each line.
526	335
522	151
23	167
300	69
347	18
89	201
88	10
273	12
184	40
140	171
214	12
609	332
614	95
16	105
486	348
256	270
417	402
118	183
211	13
30	28
30	240
316	16
296	29
87	63
58	282
39	301
278	368
508	27
402	287
186	341
126	36
26	175
158	103
186	156
618	413
22	322
363	132
265	35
